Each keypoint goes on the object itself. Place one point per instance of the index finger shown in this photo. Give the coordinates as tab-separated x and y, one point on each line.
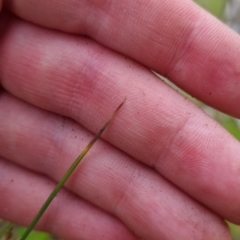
175	38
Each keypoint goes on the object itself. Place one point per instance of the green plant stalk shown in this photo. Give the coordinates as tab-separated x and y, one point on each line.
66	176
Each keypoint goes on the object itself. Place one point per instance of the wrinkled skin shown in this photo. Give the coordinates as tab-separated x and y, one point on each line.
163	168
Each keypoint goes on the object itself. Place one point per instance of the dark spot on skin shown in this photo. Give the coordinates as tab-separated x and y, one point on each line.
64	119
210	93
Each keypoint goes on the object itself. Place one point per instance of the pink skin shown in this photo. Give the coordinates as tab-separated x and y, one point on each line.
176	38
180	176
107	178
23	192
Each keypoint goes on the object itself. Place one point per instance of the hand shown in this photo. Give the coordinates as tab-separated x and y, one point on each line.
164	170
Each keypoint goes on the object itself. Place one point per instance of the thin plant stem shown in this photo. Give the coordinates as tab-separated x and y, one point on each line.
66	176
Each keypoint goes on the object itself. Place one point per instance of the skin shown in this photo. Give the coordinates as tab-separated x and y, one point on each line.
163	169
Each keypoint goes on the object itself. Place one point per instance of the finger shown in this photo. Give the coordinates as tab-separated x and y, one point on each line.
23	192
142	199
175	38
77	78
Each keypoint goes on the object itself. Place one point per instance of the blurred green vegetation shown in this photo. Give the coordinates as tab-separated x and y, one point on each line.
235	231
17	232
33	235
216	7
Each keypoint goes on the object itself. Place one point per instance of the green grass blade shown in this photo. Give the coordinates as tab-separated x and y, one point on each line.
66	176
